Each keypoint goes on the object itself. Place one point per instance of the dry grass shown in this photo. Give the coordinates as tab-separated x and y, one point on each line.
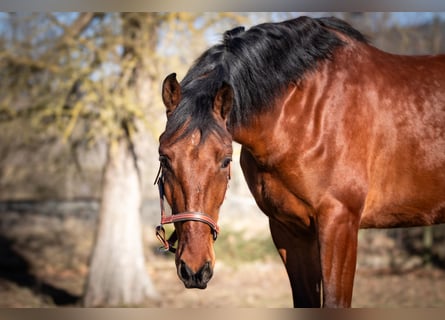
43	263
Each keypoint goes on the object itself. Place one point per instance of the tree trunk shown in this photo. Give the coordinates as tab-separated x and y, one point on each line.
117	274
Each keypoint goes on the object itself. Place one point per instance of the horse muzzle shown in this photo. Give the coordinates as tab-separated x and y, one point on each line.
197	279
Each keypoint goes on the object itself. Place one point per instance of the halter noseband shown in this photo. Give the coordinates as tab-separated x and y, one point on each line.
168	244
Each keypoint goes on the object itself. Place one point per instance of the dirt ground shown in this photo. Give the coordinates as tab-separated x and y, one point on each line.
43	264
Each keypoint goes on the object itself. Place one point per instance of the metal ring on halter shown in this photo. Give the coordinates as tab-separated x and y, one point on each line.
167	245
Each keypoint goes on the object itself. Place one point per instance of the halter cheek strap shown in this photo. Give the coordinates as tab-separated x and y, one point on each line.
168	244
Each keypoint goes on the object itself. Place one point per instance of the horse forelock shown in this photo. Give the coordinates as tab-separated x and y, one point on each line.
194	111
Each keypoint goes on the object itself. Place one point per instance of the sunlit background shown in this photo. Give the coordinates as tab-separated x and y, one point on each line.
75	85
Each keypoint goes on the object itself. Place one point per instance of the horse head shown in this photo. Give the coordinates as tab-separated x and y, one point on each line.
195	170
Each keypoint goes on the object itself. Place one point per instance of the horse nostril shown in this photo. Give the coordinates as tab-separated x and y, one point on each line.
185	272
205	273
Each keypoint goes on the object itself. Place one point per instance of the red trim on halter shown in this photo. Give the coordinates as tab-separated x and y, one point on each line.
193	216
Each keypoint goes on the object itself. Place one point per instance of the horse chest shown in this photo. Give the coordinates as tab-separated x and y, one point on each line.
272	194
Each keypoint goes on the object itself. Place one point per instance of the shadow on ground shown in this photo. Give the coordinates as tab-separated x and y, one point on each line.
16	269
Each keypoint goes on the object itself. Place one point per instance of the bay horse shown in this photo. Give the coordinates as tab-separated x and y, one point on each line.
336	135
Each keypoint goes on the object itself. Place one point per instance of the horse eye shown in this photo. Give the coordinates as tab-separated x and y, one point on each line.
164	162
226	163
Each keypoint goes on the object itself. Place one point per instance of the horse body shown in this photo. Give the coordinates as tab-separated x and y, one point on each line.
345	150
358	141
378	146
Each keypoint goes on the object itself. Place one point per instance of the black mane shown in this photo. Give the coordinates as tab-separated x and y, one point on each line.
259	64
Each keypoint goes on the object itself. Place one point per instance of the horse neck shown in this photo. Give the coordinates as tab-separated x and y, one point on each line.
294	115
266	129
298	107
271	132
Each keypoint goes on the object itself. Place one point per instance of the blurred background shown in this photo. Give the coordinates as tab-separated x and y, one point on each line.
77	211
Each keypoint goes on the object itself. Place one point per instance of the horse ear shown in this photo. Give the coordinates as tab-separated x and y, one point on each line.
222	105
171	93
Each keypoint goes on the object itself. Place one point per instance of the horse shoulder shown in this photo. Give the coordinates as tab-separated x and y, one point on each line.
272	194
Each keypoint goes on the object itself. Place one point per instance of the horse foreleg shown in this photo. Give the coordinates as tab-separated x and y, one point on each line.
337	231
300	254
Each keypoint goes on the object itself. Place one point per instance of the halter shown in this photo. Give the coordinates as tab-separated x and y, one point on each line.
168	244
